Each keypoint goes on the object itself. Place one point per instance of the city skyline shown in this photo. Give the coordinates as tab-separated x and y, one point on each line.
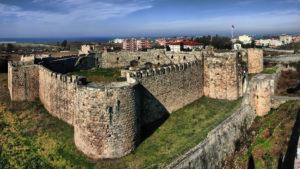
79	18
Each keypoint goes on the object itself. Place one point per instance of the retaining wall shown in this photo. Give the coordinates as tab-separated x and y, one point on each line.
220	142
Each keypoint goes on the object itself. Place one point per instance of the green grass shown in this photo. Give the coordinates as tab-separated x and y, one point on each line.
34	139
31	138
272	135
269	70
183	130
101	75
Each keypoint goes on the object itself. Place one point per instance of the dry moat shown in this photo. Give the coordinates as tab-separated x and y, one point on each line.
25	141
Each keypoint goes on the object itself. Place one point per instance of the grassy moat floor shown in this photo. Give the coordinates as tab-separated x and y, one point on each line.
268	140
101	75
31	138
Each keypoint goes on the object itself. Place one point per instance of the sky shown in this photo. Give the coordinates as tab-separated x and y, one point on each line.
124	18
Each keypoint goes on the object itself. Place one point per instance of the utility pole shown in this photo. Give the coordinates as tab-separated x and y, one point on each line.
232	31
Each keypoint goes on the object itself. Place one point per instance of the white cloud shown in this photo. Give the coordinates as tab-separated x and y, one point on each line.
76	10
265	22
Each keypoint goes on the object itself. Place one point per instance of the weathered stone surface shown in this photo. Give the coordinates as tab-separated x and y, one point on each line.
107	118
167	89
255	60
220	142
223	78
262	88
23	82
161	57
57	93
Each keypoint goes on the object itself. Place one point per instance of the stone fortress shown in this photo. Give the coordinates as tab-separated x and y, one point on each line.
108	119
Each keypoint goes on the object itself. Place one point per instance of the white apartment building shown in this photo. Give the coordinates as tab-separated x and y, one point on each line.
245	39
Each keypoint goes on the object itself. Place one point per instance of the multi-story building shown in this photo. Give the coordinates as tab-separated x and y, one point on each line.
118	41
286	39
184	46
130	44
268	42
245	39
136	44
143	44
168	41
296	39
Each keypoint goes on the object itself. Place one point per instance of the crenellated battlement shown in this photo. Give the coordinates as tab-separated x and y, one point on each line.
107	118
70	79
164	70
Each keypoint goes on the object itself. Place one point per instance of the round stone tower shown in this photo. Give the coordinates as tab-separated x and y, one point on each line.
107	121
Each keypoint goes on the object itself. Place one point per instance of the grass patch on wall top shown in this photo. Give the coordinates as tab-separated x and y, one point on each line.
31	138
270	70
101	75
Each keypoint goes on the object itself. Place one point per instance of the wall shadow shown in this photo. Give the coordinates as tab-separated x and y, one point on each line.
153	113
68	64
3	65
291	153
251	164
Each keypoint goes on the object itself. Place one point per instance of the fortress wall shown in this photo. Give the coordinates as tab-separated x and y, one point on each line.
170	88
66	65
222	76
57	93
123	58
220	142
262	89
255	60
23	82
107	124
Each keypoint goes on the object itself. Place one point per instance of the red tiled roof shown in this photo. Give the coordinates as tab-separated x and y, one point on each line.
190	43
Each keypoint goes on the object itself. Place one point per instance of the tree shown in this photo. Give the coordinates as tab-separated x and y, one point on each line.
64	43
10	47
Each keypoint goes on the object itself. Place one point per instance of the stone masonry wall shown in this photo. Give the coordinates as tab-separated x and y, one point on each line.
262	89
220	142
23	82
123	58
57	93
169	88
107	125
105	117
255	60
222	76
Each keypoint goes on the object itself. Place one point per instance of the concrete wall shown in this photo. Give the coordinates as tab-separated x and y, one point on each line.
255	60
23	82
170	88
223	78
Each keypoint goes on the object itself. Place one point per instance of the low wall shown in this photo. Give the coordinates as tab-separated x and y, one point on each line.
220	142
170	88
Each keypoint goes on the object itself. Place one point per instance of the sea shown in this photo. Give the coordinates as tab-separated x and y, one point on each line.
55	40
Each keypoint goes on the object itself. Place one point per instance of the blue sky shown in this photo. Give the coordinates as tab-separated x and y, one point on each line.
83	18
